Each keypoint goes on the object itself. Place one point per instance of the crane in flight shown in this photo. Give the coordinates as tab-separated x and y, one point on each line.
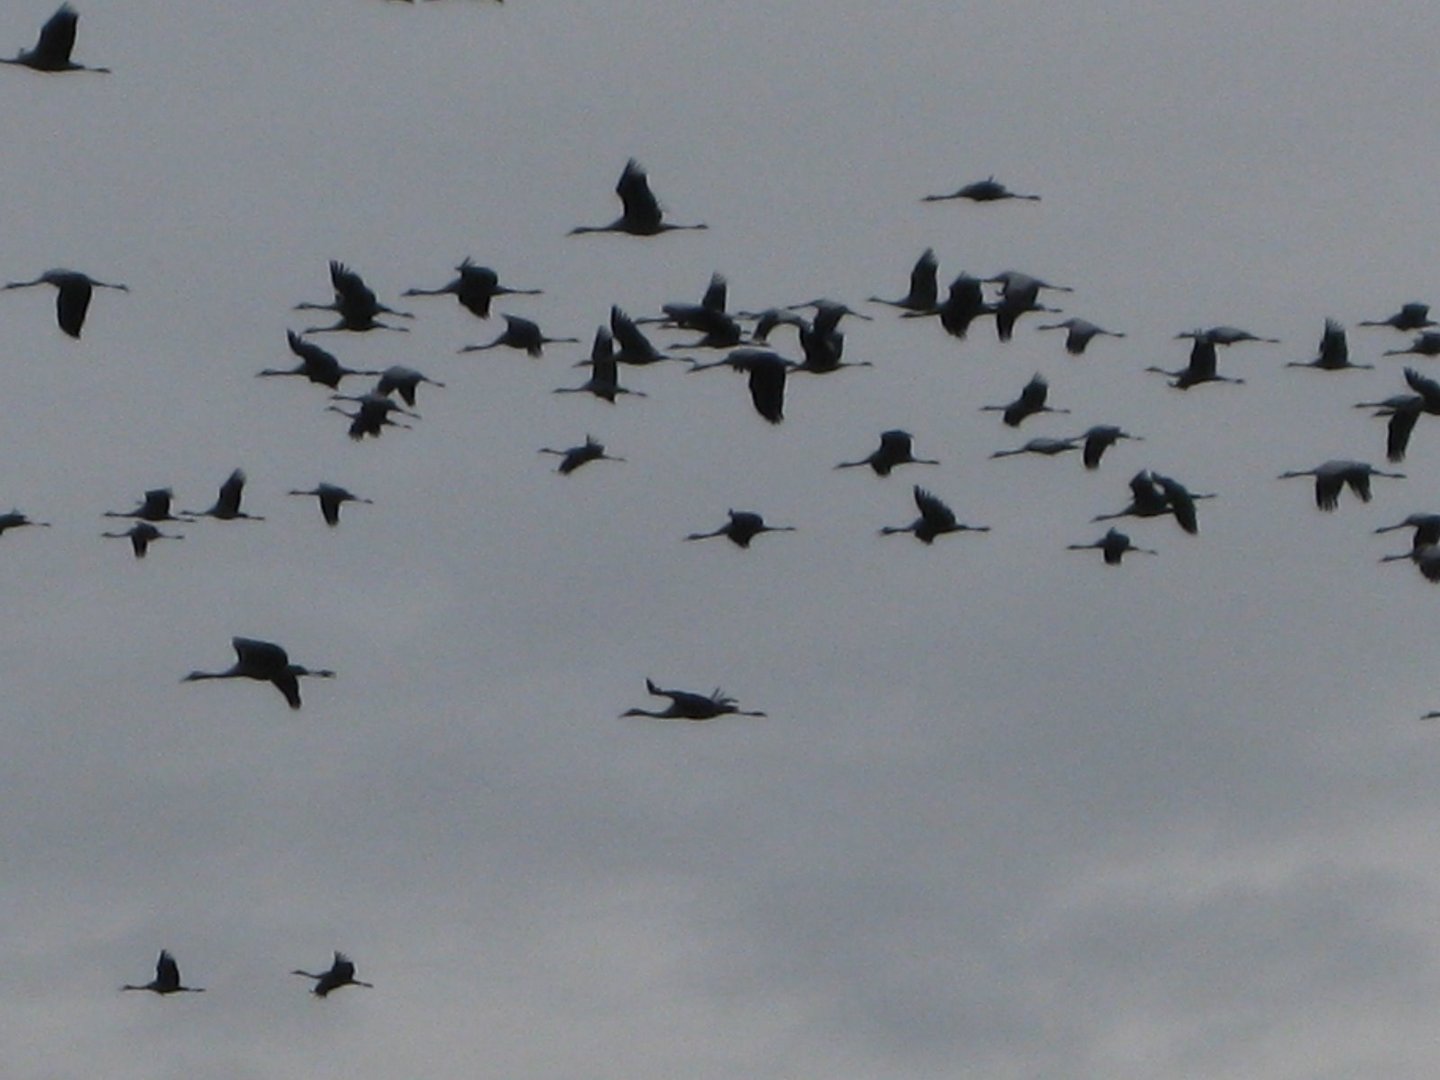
573	457
332	497
355	303
687	705
935	519
14	519
140	535
640	214
1113	546
987	190
227	503
167	978
52	50
896	448
341	973
1331	477
316	365
475	288
72	298
743	526
266	662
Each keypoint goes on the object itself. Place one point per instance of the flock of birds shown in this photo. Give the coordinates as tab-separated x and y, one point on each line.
744	340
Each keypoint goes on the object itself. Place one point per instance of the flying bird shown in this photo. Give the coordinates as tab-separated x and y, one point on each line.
1030	402
354	302
935	519
14	519
1019	293
1411	316
332	497
1200	369
743	526
1426	526
641	214
521	334
341	973
1100	438
632	346
987	190
405	381
1080	333
317	365
140	535
924	292
1154	495
575	456
267	662
72	299
896	448
686	705
604	381
1426	343
1426	558
475	288
227	504
767	371
1225	335
52	51
1113	545
167	978
1334	354
373	414
1331	477
154	507
1042	446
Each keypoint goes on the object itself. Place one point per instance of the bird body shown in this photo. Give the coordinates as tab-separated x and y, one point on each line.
743	526
1080	332
227	504
767	372
405	381
1154	495
317	365
896	448
604	381
72	299
1100	438
140	535
987	190
1113	545
1426	343
341	973
574	457
1042	446
1411	316
332	497
1032	400
520	334
935	519
1331	477
154	507
355	303
641	214
167	978
266	662
1334	354
687	705
475	288
52	50
14	519
1200	369
924	292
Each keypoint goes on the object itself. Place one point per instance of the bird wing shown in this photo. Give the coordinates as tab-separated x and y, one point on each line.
228	504
71	303
261	656
935	512
350	288
167	973
641	206
57	36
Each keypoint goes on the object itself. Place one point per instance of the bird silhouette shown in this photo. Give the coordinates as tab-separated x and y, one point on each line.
341	973
575	456
1426	343
154	507
520	334
743	526
373	415
72	299
332	497
632	346
1331	477
604	381
935	519
405	381
1154	495
14	519
1426	558
1426	526
687	705
987	190
354	302
1100	438
896	448
1019	293
52	51
475	288
316	364
767	371
227	504
267	662
1200	369
1225	335
641	214
167	978
1411	316
1041	446
1402	413
1032	400
140	535
1334	354
1113	545
924	291
1080	333
964	303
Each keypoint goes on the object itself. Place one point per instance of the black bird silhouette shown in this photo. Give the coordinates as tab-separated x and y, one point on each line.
140	536
686	705
373	415
316	364
331	497
1426	343
341	973
267	662
1081	333
1114	544
1200	369
641	214
1426	526
1154	495
1100	438
1042	446
72	300
14	519
1334	354
1426	558
1411	316
227	505
963	304
52	51
398	379
154	507
167	978
987	190
896	448
604	381
632	346
935	519
520	334
475	288
924	291
1030	402
743	526
1225	335
767	371
1332	476
354	302
573	457
1019	293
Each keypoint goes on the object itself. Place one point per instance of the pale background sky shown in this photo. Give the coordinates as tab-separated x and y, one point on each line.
1013	814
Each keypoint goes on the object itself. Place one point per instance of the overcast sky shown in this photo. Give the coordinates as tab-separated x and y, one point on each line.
1013	813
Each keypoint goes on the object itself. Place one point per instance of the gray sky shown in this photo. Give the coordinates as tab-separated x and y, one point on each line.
1013	814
